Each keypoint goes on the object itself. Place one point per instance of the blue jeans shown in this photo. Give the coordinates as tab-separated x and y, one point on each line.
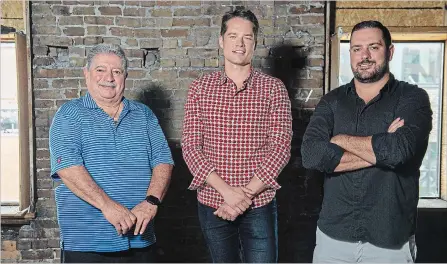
252	237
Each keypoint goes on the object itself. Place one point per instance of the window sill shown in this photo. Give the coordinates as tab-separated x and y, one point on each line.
10	215
432	204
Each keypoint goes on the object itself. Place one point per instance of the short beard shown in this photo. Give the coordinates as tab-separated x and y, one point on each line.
375	76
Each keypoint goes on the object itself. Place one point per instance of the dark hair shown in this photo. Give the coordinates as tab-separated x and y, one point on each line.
241	12
374	24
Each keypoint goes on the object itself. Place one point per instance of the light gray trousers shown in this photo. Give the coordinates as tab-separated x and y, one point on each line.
329	250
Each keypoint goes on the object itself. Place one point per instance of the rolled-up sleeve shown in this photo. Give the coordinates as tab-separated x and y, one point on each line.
317	151
394	149
279	138
65	144
192	140
160	151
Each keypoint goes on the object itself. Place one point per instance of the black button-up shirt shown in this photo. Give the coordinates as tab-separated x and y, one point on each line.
377	204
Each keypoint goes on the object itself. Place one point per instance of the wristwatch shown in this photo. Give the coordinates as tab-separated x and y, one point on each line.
153	200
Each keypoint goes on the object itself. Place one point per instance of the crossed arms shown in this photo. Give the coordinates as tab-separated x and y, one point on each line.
394	147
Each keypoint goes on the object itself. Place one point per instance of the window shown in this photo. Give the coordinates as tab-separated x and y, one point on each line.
418	59
14	127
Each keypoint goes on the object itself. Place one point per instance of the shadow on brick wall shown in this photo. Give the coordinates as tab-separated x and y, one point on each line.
179	238
299	199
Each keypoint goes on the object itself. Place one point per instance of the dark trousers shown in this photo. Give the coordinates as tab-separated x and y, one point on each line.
133	255
252	237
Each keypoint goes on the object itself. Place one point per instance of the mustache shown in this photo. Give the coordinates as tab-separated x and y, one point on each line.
108	84
366	61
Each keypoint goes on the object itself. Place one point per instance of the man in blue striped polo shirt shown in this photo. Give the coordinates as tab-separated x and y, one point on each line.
115	166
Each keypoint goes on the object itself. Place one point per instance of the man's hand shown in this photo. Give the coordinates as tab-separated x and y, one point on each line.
395	125
144	212
236	199
226	212
249	192
119	216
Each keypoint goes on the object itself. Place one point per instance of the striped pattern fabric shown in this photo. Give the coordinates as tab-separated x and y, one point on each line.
120	159
237	134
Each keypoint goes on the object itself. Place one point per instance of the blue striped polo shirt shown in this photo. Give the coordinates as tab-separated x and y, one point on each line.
120	159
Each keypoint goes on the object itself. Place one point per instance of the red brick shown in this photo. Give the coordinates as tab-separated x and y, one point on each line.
93	40
49	73
312	19
47	94
97	20
59	103
161	12
134	53
317	10
74	31
137	74
46	30
43	20
133	3
189	74
131	42
40	50
188	12
71	20
132	11
191	22
128	21
121	32
96	30
163	74
83	10
150	43
43	104
112	40
40	84
147	3
43	61
39	8
174	33
65	83
61	10
297	10
71	93
215	10
72	73
110	11
147	33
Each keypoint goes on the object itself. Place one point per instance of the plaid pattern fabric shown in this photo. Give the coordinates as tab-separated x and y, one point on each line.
236	133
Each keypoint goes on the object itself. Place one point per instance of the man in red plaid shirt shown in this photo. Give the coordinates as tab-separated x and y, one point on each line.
236	140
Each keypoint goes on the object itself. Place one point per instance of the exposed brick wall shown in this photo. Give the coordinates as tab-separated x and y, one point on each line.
169	44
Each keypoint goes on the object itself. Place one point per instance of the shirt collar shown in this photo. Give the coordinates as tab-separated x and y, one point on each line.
90	103
247	83
389	87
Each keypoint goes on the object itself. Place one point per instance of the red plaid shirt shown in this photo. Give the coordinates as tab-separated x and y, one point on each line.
237	134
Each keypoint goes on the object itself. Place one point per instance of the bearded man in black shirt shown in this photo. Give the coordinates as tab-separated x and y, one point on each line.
369	137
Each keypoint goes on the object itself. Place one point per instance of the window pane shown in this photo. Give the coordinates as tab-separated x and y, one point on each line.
9	133
421	64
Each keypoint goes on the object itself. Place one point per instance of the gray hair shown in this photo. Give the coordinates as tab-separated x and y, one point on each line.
107	48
